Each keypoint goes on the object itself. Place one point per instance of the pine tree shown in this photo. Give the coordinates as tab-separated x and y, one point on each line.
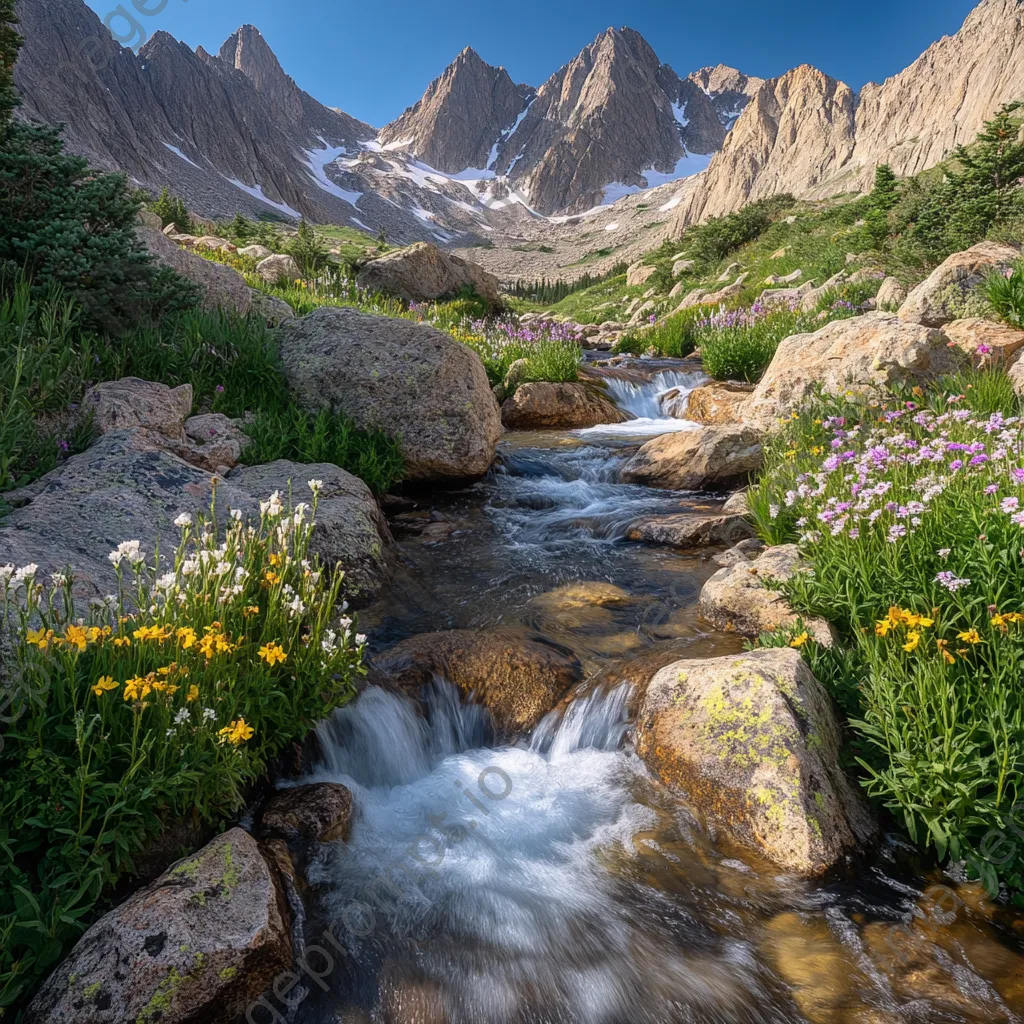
63	225
309	250
994	165
242	228
886	193
10	44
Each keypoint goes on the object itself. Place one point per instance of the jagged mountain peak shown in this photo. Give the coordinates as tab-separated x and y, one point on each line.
460	117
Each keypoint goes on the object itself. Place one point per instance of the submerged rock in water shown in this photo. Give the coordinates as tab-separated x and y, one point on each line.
545	406
409	380
195	947
516	679
691	530
713	458
737	597
753	742
320	812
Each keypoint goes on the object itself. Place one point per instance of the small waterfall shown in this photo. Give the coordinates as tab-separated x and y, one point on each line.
644	401
482	874
597	721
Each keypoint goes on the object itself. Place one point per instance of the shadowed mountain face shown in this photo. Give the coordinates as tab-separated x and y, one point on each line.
478	154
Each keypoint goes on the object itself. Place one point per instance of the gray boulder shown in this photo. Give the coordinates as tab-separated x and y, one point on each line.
278	268
196	947
935	300
221	286
422	272
405	378
130	402
350	527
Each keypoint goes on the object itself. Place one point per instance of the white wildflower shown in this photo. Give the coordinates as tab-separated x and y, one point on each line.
183	520
26	572
316	486
272	506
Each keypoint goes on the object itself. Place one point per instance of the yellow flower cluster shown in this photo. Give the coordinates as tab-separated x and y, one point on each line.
912	622
74	638
272	653
236	733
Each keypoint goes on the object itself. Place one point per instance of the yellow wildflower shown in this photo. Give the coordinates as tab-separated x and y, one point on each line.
253	609
274	559
791	454
187	637
970	636
193	694
122	641
103	685
799	641
236	733
271	577
884	626
943	646
40	638
913	641
157	633
75	636
137	688
272	653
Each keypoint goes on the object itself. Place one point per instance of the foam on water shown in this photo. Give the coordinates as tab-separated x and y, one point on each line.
644	401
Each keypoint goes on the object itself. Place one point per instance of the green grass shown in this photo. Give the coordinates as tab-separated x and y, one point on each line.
300	436
48	360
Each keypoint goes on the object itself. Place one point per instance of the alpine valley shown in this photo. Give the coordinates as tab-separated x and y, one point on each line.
614	145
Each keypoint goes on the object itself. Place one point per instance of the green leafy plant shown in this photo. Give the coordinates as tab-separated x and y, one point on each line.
1005	294
160	705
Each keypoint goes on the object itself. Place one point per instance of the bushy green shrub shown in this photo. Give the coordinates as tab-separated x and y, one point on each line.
158	706
171	209
309	250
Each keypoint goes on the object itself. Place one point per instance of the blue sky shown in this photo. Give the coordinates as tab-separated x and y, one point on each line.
374	59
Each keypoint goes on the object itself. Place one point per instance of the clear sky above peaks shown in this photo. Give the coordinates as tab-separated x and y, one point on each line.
374	59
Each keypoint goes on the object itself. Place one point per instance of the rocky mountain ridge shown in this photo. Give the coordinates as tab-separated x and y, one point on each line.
811	135
480	159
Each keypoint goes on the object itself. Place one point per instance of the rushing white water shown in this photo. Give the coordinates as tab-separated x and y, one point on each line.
644	401
487	875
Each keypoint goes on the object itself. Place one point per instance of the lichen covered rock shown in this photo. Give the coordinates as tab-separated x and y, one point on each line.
195	947
753	743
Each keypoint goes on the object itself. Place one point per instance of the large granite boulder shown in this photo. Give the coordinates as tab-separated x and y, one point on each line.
422	272
712	458
546	406
278	268
891	295
993	343
753	743
407	379
933	302
517	679
862	354
718	402
130	402
128	486
350	527
221	287
739	597
196	947
639	273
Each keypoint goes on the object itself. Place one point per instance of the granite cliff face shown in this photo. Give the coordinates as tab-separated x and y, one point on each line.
810	135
